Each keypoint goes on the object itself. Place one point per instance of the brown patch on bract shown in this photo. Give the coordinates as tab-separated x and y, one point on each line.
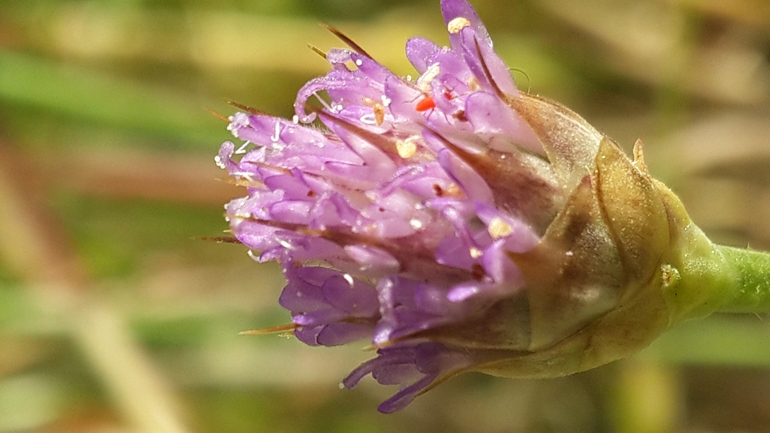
633	210
574	275
502	325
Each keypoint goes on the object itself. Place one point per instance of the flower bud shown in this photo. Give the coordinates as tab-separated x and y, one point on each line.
459	224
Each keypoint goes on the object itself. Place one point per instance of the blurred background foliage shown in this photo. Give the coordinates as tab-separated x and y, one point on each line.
115	316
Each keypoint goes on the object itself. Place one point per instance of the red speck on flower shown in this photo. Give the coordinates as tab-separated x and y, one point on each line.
425	104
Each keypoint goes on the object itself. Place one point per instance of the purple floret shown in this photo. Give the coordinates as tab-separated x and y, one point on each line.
331	309
414	368
383	228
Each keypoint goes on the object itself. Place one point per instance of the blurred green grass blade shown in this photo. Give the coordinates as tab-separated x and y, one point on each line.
95	96
110	247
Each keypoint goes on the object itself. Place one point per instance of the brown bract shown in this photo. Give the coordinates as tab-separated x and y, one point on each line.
600	284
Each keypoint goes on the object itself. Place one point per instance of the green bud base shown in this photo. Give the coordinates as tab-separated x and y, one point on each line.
751	280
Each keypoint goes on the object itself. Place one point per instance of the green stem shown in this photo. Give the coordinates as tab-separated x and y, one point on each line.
751	293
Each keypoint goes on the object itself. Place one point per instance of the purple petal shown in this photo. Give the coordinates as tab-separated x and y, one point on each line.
492	118
337	334
471	182
453	9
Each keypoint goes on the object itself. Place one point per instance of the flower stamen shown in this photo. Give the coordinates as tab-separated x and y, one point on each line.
457	24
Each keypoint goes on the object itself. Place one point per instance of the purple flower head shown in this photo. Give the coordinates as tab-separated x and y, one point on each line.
416	213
